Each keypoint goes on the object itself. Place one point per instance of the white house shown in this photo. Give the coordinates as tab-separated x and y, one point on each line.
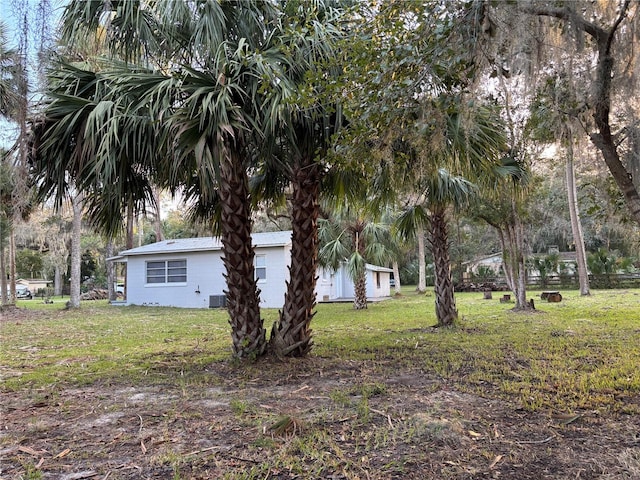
189	273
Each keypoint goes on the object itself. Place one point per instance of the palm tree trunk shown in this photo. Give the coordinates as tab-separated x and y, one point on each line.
422	266
576	227
446	312
247	332
360	291
291	335
74	294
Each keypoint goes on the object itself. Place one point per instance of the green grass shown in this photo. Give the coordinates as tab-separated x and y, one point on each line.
581	353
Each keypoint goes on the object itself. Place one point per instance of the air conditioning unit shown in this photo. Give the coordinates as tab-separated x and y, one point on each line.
217	301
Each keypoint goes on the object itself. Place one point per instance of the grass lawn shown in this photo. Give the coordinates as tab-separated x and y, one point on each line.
383	395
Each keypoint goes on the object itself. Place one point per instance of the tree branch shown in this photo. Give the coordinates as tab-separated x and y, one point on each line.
623	13
569	15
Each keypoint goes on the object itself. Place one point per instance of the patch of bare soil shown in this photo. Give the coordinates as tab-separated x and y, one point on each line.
16	314
312	418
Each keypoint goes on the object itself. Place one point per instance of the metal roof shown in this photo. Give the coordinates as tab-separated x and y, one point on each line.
200	244
376	268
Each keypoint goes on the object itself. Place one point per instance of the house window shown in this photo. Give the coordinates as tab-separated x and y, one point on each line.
378	279
325	275
169	271
261	267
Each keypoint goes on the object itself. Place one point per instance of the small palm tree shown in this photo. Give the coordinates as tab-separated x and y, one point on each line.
441	192
349	238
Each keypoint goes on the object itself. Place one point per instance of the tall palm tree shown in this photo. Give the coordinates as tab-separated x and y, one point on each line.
300	140
13	106
191	116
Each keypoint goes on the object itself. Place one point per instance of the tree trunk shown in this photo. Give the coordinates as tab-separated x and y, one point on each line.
128	241
4	293
57	281
511	233
247	332
360	291
506	265
111	268
158	217
521	290
515	257
291	335
576	227
74	293
603	139
396	278
446	312
422	265
130	223
12	267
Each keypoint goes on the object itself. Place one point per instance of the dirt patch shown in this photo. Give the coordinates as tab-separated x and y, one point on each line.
311	418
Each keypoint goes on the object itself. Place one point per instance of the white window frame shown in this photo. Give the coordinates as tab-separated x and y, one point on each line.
166	272
260	268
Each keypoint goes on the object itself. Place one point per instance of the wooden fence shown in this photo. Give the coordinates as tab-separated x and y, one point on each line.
614	280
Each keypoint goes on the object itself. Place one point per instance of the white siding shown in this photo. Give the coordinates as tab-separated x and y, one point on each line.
272	289
204	275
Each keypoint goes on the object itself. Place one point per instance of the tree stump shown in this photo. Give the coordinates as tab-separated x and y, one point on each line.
551	296
487	295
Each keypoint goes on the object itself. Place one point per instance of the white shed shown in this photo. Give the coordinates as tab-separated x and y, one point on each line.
337	285
189	273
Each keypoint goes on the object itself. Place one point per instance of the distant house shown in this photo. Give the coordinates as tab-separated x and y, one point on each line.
34	284
189	273
494	262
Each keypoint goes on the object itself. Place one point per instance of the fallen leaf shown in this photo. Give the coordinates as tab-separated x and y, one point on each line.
31	451
475	434
143	447
63	453
495	461
566	419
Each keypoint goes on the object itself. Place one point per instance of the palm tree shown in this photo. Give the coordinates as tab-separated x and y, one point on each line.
6	215
191	118
13	106
464	139
430	212
549	124
349	237
300	140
